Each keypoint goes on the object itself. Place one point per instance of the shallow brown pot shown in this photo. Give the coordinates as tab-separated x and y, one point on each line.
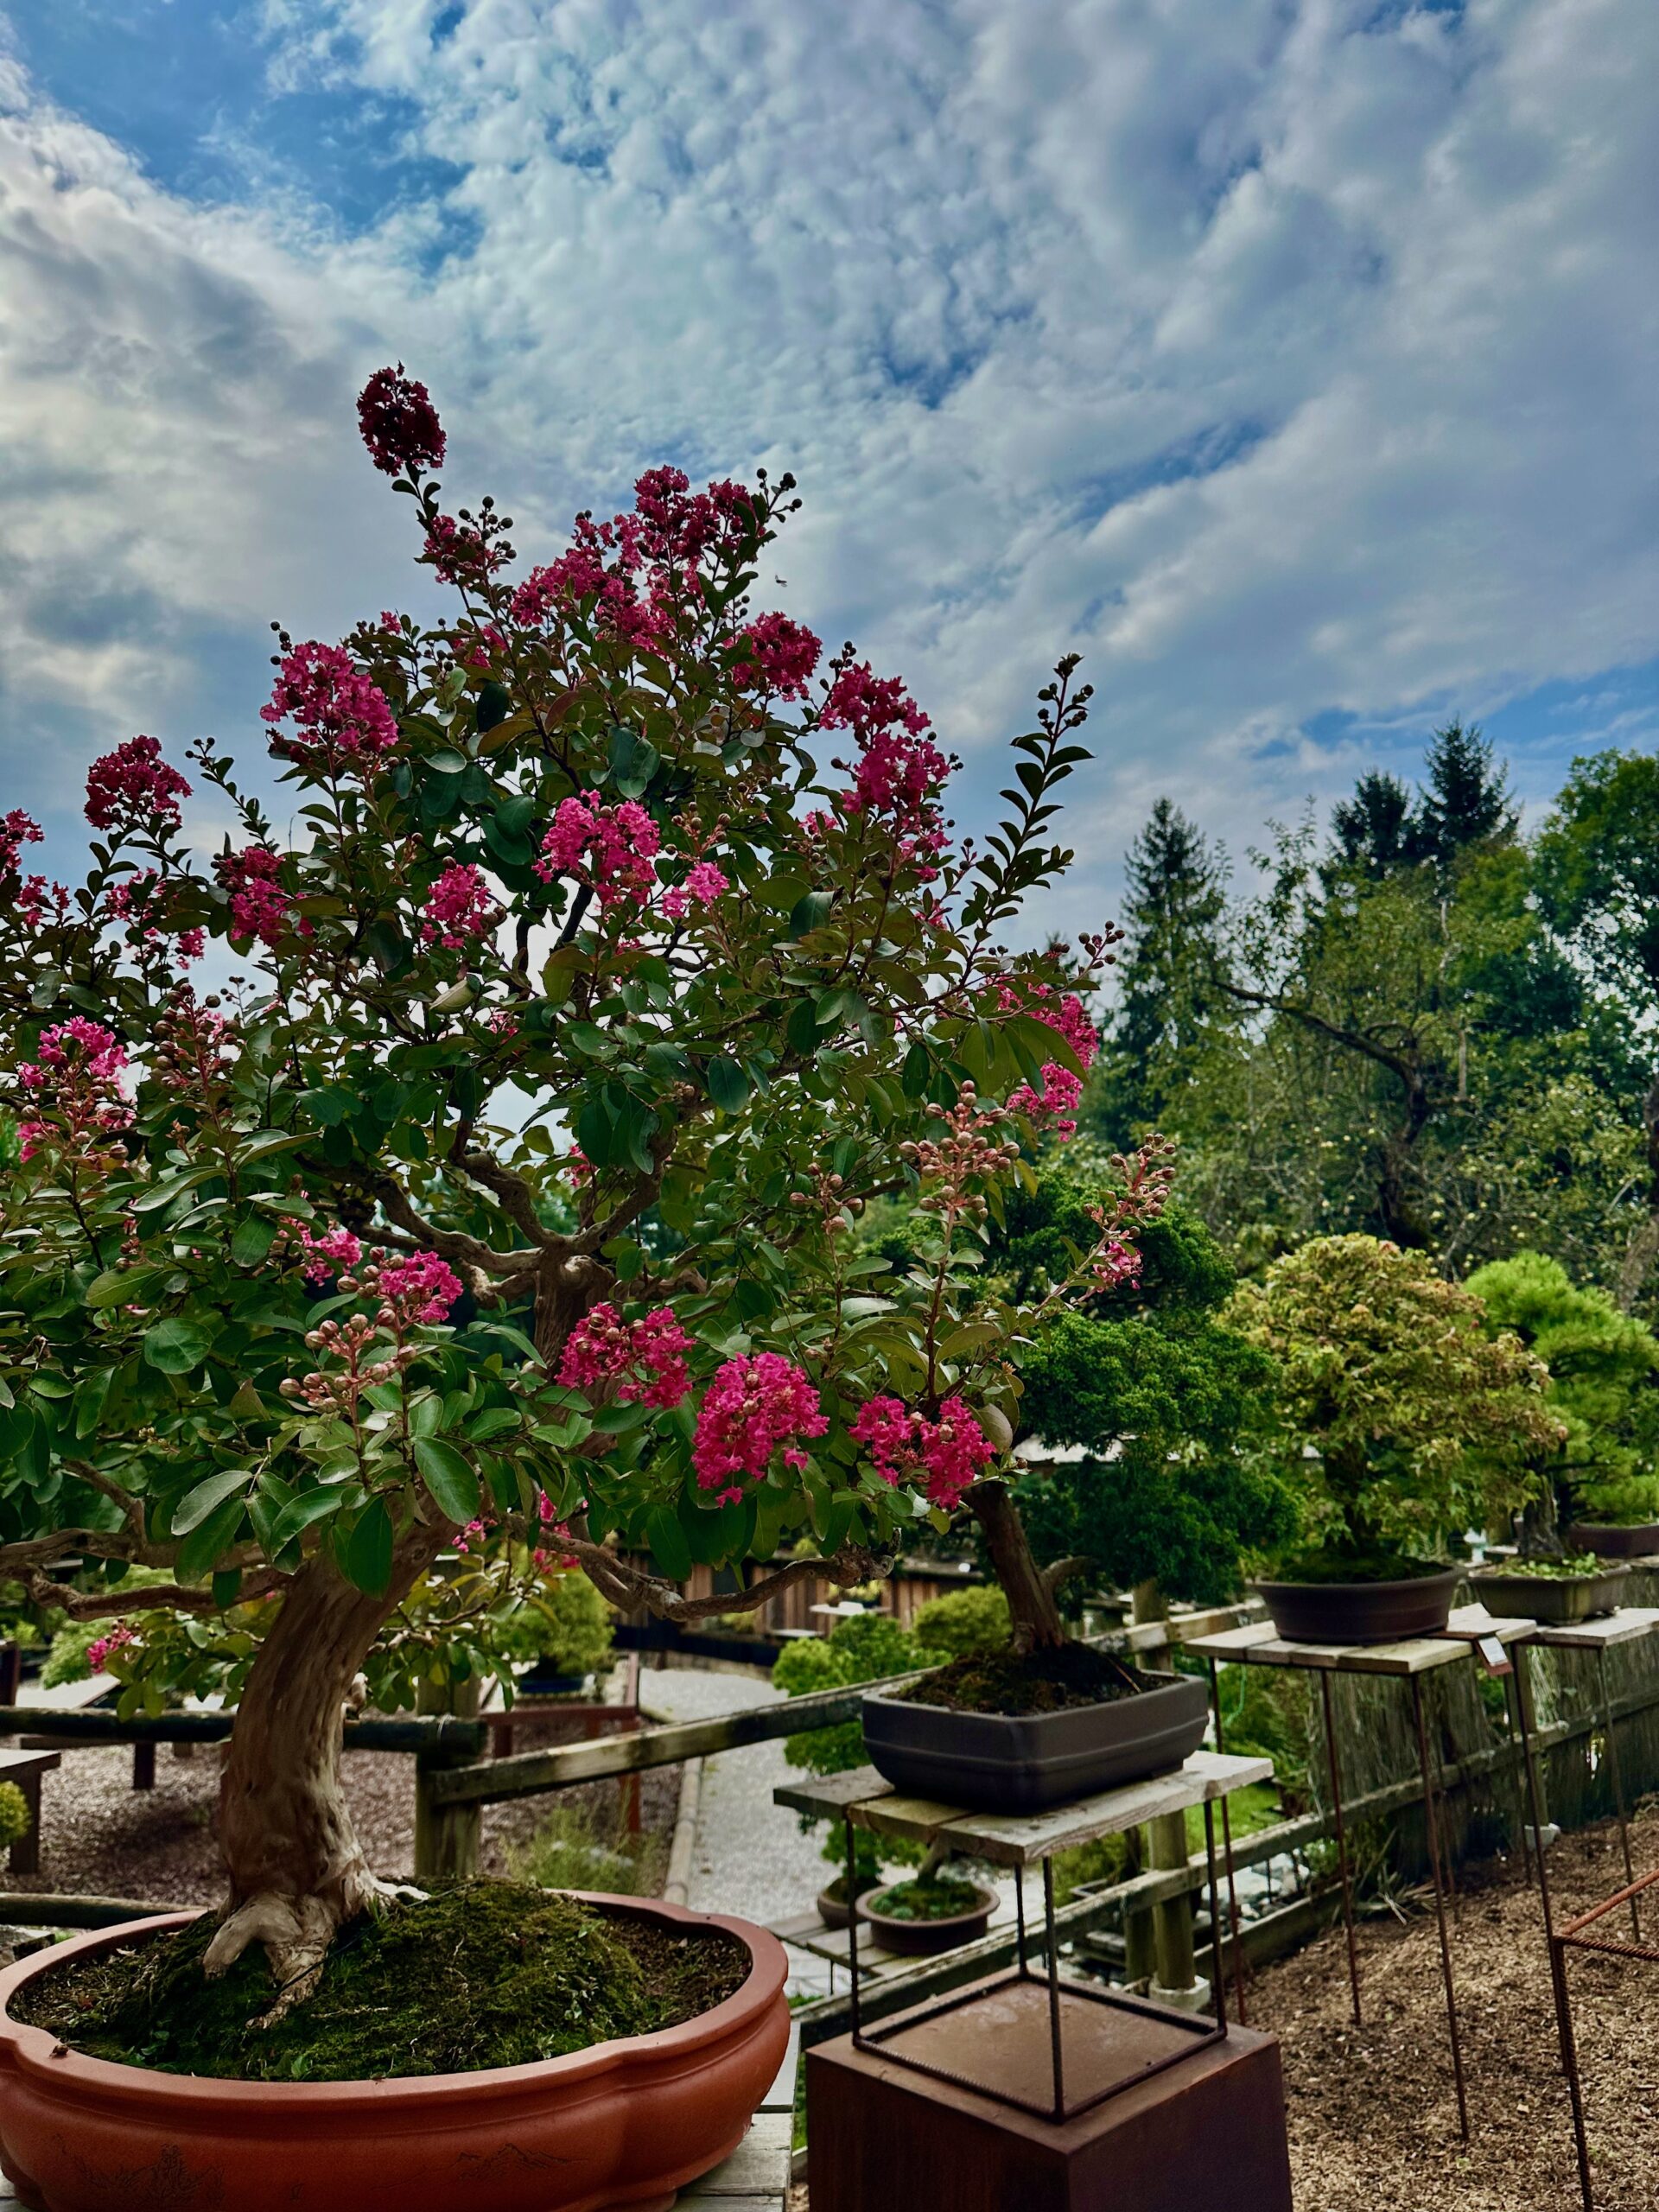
1615	1539
624	2124
921	1938
1360	1613
1557	1600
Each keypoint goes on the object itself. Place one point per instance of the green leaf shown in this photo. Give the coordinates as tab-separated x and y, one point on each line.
450	1479
587	1037
302	1513
196	1506
667	1545
494	705
365	1556
126	1287
918	1069
810	913
170	1187
494	1421
227	1588
91	1395
253	1241
728	1086
209	1541
175	1347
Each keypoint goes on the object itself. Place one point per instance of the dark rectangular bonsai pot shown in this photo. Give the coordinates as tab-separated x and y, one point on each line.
995	1763
1559	1601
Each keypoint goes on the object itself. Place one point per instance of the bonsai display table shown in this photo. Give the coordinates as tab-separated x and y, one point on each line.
1025	2088
1470	1627
25	1768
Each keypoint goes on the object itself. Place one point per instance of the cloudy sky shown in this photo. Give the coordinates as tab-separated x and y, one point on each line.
1293	359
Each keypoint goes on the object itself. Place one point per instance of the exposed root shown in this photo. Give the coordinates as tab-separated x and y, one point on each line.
296	1934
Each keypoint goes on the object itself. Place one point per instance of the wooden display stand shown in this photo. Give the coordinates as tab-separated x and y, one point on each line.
1029	2090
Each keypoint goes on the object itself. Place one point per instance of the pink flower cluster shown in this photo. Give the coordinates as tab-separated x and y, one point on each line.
948	1453
400	423
138	903
610	846
331	1254
646	1360
261	910
1054	1109
458	907
16	830
753	1405
344	720
900	770
703	883
101	1648
28	894
75	1087
412	1286
780	658
134	788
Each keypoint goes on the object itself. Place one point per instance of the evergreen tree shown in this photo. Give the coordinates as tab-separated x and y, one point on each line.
1467	800
1378	829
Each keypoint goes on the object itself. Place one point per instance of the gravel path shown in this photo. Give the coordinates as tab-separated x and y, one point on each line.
99	1837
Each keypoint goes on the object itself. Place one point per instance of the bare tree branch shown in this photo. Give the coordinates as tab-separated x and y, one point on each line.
628	1586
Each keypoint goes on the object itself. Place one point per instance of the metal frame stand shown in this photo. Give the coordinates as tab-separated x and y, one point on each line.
1203	2033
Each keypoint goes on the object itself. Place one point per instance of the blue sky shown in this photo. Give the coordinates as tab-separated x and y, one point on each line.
1292	360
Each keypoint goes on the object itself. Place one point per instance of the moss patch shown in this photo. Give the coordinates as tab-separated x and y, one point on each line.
484	1974
1016	1684
941	1899
1337	1565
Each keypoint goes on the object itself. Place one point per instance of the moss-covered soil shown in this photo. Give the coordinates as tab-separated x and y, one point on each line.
483	1974
1016	1684
940	1899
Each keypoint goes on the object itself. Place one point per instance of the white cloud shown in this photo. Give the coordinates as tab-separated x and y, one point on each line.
1285	357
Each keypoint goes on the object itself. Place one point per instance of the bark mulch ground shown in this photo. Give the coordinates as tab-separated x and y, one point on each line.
1373	2114
99	1837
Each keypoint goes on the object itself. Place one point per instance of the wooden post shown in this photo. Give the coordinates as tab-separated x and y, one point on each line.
446	1836
143	1766
1174	1961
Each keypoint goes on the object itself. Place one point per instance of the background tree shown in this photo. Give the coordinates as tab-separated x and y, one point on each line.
623	954
1399	1419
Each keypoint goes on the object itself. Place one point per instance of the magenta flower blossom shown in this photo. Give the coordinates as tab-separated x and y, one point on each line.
400	423
134	788
753	1405
103	1648
611	847
344	720
644	1360
704	883
781	657
16	830
948	1453
458	907
75	1091
1053	1109
412	1286
332	1253
261	910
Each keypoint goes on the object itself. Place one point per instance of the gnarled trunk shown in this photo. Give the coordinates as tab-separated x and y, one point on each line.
1027	1589
297	1872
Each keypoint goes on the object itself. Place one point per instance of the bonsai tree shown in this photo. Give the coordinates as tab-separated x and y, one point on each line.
1398	1416
623	951
1601	1390
1161	1393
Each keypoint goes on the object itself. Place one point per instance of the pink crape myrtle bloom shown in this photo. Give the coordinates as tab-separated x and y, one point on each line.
781	656
901	772
16	830
461	554
948	1453
260	909
75	1088
645	1360
703	884
344	720
400	423
102	1648
613	848
458	907
412	1286
134	788
1053	1108
332	1253
753	1405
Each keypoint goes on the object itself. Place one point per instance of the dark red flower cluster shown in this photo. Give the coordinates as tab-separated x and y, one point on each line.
400	423
461	553
133	788
260	909
780	656
345	720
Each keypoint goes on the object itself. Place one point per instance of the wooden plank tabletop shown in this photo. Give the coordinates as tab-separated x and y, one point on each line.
1621	1627
15	1764
1022	1840
1261	1645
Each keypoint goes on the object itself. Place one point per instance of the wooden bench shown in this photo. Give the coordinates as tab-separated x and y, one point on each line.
25	1768
78	1697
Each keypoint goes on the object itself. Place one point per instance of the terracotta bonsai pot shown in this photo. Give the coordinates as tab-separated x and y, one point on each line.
1611	1540
1557	1600
1360	1613
922	1938
624	2124
995	1762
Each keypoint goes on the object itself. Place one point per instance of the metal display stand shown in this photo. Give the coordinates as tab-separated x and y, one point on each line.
1261	1645
1624	1626
1018	1841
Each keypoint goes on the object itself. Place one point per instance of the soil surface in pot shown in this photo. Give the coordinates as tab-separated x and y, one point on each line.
480	1975
1018	1685
1319	1568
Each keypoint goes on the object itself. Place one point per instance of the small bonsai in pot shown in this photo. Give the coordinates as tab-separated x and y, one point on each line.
1401	1420
509	1192
1594	1503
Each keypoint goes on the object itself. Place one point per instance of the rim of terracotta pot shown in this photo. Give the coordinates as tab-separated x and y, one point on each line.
31	2048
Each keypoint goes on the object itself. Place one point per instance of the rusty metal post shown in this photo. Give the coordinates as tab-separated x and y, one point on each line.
1432	1822
1227	1846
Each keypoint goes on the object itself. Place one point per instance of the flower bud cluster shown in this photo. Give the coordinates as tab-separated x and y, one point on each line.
965	1151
